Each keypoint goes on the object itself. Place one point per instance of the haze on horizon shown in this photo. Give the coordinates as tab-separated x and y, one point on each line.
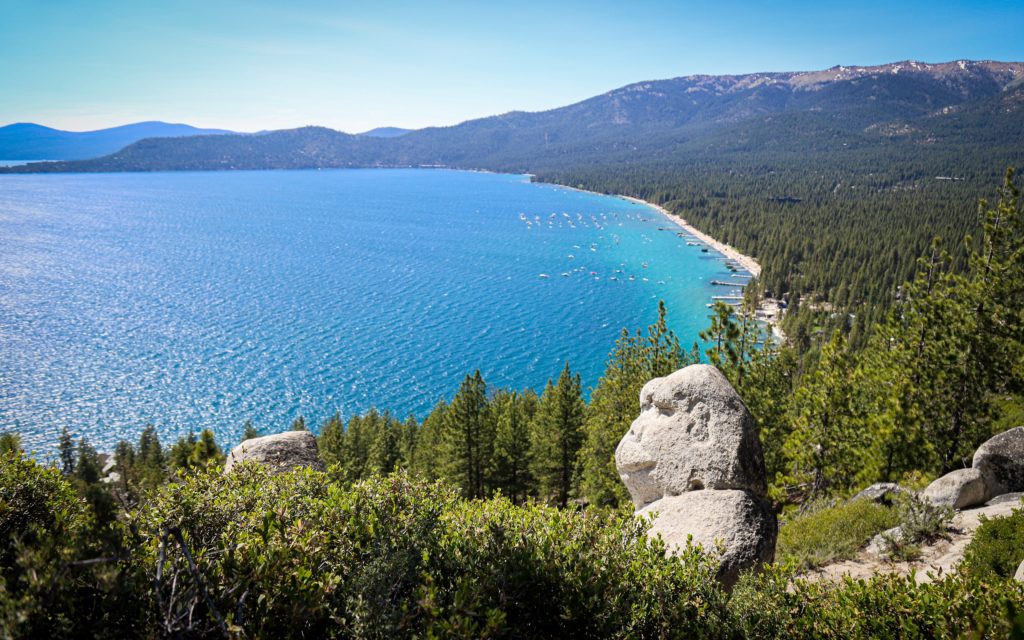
258	65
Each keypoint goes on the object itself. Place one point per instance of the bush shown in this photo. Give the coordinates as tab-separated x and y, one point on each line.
46	590
771	605
831	533
997	548
295	554
921	522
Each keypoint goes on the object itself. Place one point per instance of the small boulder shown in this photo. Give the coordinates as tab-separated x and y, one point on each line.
743	522
693	433
1001	460
281	452
1019	576
879	492
959	489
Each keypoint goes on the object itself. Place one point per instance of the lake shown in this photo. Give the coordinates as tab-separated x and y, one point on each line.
201	300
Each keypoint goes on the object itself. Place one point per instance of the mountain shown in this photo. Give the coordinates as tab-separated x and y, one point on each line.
893	105
386	132
28	141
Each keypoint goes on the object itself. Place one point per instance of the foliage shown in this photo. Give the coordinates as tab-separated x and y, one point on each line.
54	578
557	433
295	554
921	522
772	605
831	532
997	548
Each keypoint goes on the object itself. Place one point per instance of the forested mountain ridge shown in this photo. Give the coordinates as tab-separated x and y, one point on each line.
697	115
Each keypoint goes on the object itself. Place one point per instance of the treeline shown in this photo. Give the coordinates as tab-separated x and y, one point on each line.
844	229
552	447
923	391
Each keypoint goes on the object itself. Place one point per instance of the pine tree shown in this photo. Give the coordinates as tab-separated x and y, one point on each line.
724	335
556	438
66	446
249	432
205	452
331	441
429	450
299	424
509	471
828	441
468	437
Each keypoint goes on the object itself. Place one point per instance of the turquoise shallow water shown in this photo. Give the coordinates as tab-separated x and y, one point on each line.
193	300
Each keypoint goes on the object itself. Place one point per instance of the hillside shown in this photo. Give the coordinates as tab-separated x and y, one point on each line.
28	141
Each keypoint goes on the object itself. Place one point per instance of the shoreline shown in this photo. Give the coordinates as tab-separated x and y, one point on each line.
768	310
747	263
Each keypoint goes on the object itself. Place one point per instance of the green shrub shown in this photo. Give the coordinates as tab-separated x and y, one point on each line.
920	521
831	533
51	584
295	554
997	548
771	605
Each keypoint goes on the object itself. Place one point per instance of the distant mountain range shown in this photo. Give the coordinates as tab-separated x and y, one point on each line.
28	141
904	105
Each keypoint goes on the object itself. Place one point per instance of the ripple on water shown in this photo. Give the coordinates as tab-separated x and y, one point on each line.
200	300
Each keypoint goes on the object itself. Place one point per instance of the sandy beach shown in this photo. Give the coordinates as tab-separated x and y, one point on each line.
746	262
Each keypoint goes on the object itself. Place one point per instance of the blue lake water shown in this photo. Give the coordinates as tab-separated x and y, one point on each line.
195	300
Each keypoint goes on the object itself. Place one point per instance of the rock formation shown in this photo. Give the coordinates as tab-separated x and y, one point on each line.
281	452
959	489
693	459
1001	461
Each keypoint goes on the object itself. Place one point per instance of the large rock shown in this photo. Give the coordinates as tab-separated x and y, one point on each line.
1001	461
959	489
1019	576
281	452
744	523
693	432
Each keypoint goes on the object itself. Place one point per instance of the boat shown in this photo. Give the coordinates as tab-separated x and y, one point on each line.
543	275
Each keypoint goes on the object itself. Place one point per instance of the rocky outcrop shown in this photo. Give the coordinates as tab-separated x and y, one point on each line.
881	492
1001	461
743	523
1019	576
959	489
281	452
693	461
693	433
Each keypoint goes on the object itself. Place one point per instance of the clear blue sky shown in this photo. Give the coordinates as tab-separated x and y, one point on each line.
255	64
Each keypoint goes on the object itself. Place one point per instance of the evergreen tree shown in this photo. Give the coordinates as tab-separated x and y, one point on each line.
66	447
331	441
87	466
299	424
249	432
509	471
828	443
429	450
468	437
9	443
205	452
181	452
723	334
557	435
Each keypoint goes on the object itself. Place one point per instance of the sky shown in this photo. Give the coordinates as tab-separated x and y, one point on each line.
252	65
